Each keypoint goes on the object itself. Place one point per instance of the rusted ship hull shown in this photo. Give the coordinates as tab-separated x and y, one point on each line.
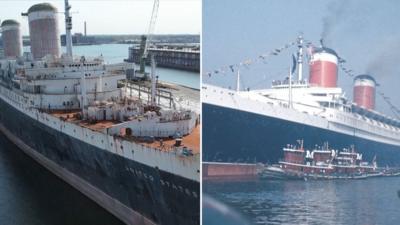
134	192
230	172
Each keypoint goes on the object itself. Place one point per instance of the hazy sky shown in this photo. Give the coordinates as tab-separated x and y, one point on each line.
364	32
116	16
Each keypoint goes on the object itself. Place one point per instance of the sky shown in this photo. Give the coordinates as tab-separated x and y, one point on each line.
116	16
363	32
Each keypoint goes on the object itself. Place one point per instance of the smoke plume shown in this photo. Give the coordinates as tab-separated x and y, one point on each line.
336	13
386	62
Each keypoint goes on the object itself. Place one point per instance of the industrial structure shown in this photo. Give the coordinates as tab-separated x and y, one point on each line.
12	39
323	67
173	56
43	30
364	91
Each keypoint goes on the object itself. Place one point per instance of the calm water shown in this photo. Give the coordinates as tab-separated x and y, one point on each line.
29	194
116	53
364	202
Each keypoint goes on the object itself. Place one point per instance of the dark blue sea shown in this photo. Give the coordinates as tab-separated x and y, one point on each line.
373	201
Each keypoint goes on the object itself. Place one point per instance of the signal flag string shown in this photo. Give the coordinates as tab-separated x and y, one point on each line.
263	58
248	62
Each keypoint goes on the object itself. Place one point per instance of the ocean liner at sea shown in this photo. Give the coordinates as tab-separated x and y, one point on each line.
137	158
246	127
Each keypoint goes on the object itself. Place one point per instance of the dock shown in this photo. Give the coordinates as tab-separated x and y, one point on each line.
170	56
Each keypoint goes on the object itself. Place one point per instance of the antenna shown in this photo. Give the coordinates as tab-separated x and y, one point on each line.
85	31
238	81
68	28
290	88
83	96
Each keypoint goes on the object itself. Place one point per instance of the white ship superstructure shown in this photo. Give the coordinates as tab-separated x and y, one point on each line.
325	108
302	107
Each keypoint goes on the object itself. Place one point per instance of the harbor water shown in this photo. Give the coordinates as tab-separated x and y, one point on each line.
337	202
30	194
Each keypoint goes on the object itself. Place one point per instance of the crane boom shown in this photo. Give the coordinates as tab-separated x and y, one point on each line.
144	45
151	27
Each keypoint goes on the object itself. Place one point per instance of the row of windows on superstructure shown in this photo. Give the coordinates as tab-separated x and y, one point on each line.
70	65
84	64
378	122
68	103
372	124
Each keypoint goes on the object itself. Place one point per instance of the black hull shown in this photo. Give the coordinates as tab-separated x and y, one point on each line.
155	194
237	136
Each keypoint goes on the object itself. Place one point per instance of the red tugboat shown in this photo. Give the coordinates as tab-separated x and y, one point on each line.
320	163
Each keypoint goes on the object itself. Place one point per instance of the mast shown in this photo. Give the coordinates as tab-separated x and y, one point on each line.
290	87
300	58
83	95
238	81
68	28
85	31
153	80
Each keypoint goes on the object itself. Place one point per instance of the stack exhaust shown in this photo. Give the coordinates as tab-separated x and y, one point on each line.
12	39
323	68
43	30
364	91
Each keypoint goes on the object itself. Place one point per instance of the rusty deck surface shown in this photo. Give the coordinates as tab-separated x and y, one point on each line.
71	116
191	141
99	125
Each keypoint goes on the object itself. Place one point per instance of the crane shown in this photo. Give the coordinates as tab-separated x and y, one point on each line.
147	39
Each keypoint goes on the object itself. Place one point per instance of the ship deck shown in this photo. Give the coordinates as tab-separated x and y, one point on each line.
191	141
71	116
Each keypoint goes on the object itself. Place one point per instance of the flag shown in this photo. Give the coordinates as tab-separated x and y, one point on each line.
294	63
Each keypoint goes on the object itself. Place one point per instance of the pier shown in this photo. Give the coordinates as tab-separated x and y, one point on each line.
170	56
